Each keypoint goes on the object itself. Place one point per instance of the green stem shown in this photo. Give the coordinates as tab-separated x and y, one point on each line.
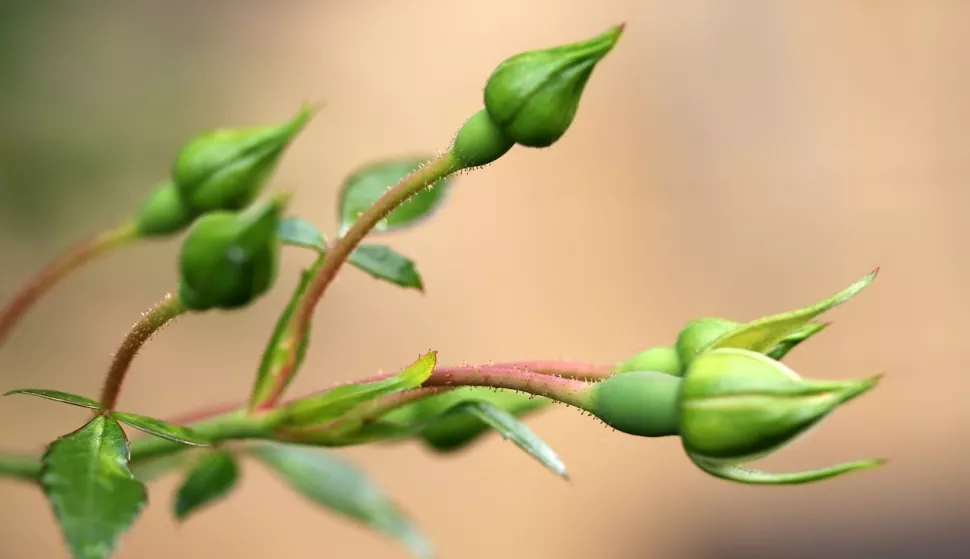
236	425
169	308
26	468
339	252
71	260
239	425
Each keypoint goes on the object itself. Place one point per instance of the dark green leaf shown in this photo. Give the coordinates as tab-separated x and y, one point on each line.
328	480
93	493
211	480
369	183
453	431
58	396
275	370
298	232
383	263
162	429
334	403
514	430
428	418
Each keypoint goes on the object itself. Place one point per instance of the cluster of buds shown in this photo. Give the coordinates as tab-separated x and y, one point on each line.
723	389
230	255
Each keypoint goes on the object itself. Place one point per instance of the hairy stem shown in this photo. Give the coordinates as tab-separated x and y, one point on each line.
71	260
567	391
340	250
566	369
169	308
224	425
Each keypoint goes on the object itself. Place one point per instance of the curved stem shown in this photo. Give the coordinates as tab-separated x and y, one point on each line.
71	260
337	254
238	425
169	308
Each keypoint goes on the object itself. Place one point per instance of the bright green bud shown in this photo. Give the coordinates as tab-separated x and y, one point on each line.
163	213
642	403
662	359
738	405
533	96
229	259
699	334
480	142
226	169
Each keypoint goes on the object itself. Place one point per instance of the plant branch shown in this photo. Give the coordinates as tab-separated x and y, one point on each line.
227	423
567	391
566	369
329	264
169	308
71	260
15	466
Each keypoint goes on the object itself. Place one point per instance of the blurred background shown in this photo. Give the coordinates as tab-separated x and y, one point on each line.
732	159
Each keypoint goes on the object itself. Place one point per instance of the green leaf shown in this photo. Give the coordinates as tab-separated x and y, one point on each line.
751	476
275	371
58	396
151	469
514	430
383	263
93	493
162	429
446	432
334	403
428	418
764	333
325	478
782	348
369	183
299	232
211	480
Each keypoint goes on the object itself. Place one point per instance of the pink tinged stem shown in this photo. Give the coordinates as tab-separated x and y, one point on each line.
67	262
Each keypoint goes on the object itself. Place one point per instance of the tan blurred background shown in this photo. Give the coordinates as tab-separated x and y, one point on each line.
729	158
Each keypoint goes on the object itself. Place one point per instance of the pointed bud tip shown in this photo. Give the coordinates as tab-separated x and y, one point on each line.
856	388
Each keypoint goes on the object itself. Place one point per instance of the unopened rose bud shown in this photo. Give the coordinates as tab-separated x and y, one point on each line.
533	96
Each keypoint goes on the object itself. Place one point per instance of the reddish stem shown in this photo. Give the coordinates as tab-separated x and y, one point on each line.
565	370
567	391
74	258
169	308
337	254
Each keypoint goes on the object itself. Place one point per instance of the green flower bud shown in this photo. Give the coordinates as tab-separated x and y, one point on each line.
738	405
699	334
229	259
662	359
480	141
773	335
163	213
533	96
226	169
642	403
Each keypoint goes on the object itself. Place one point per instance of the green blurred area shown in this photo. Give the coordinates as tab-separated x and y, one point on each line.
90	112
